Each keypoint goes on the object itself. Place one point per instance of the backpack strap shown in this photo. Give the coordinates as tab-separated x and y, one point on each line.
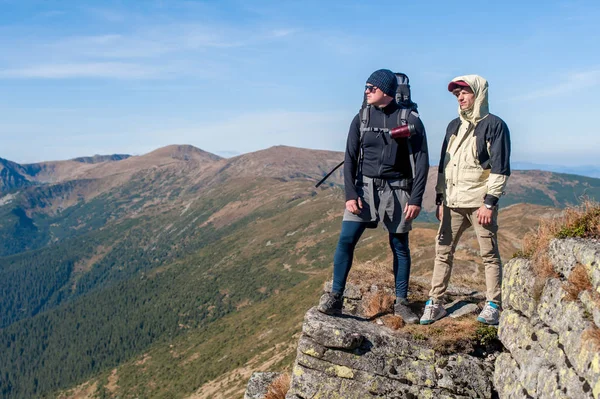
365	116
403	120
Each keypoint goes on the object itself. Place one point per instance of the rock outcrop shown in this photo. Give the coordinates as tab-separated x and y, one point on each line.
360	355
550	326
347	357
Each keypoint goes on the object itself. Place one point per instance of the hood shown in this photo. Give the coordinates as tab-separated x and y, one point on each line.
481	108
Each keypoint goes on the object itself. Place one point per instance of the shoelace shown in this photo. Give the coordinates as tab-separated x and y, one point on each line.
331	301
488	312
428	313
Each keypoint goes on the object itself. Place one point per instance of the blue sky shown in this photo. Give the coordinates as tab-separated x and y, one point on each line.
96	77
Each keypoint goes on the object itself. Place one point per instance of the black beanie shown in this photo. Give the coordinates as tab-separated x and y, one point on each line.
385	80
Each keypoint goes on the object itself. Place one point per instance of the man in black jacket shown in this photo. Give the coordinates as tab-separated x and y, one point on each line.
384	181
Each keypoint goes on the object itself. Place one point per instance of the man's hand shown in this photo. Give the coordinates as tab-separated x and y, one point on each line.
354	206
439	212
411	212
484	215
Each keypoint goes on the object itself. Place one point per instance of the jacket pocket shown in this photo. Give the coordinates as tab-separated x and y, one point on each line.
390	153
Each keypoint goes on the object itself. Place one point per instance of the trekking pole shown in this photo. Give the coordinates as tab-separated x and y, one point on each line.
328	174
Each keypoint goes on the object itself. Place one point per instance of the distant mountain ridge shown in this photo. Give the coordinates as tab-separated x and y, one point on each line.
584	170
14	176
101	158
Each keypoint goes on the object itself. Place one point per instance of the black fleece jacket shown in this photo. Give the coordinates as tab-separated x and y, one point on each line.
384	157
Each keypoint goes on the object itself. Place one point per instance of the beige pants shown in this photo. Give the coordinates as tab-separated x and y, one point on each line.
454	222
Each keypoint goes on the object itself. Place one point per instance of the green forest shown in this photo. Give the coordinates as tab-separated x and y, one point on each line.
61	324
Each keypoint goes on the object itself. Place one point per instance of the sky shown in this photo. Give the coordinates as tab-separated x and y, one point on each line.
79	78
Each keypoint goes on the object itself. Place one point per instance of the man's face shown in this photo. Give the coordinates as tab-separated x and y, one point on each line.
374	95
465	97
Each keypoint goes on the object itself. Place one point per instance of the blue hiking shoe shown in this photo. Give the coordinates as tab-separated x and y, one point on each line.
490	314
433	312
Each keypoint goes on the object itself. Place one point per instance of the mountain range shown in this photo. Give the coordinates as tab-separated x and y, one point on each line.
172	273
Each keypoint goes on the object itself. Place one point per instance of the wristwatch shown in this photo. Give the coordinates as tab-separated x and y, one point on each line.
488	206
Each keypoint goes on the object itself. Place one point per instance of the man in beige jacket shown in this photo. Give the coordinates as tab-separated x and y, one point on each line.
474	168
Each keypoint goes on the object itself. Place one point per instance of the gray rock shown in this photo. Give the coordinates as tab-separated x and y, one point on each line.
568	319
591	306
506	378
258	385
551	351
566	254
465	375
519	285
348	357
460	308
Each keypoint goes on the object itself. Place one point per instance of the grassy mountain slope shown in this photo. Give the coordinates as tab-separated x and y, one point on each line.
117	259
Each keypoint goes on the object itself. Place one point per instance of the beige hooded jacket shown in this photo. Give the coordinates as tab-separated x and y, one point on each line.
464	182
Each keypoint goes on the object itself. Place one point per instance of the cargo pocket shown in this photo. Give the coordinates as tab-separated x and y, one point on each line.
487	243
444	234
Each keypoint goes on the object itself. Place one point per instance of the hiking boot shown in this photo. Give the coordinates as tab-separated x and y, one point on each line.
433	312
331	304
490	314
401	309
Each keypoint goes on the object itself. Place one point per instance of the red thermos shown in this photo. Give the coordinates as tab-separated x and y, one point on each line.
403	131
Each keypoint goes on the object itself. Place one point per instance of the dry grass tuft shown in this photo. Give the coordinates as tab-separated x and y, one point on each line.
581	221
392	321
366	274
448	335
591	336
377	303
578	282
279	387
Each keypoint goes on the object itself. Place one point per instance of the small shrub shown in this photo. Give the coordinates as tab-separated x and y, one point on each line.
279	387
417	336
578	282
581	221
486	335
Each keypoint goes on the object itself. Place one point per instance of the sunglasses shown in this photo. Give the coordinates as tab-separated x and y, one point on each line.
370	89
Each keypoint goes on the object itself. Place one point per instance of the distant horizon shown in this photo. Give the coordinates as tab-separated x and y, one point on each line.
586	170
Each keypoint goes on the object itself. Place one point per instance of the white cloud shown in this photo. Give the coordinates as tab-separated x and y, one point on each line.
572	82
166	49
118	70
105	14
282	32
